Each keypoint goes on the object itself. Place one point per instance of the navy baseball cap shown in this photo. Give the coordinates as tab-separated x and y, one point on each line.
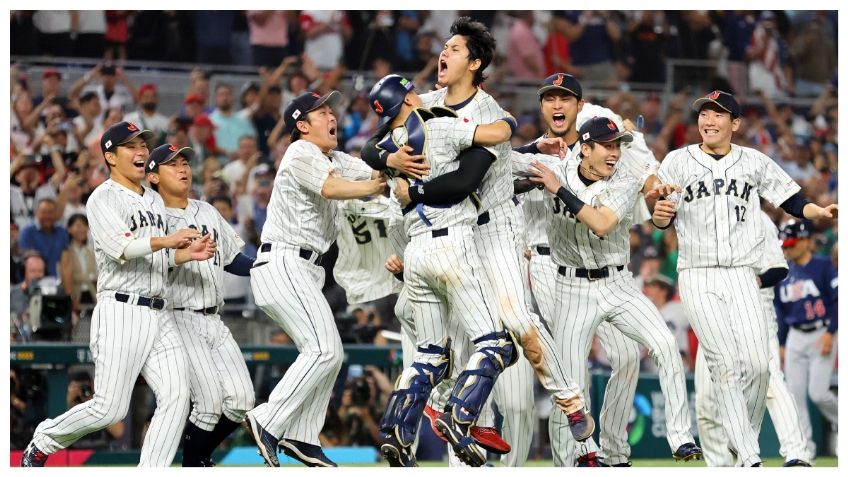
166	153
303	104
601	129
122	133
793	231
562	82
386	97
725	101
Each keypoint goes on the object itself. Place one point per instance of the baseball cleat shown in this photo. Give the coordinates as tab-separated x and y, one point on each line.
582	425
687	452
33	457
395	453
590	460
459	437
266	443
797	463
623	464
310	455
489	439
432	415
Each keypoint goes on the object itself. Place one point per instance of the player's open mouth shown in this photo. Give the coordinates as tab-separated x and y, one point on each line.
138	164
443	67
559	119
333	132
710	132
611	164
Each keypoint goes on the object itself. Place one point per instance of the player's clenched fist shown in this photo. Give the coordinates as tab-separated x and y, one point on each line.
664	211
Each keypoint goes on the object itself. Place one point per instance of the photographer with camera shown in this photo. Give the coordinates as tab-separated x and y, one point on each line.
80	390
26	404
363	399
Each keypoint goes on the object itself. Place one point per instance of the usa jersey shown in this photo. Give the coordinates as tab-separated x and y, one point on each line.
808	294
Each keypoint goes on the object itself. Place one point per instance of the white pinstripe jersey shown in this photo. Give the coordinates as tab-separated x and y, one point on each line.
573	244
364	246
298	215
200	284
718	223
771	256
118	216
445	139
537	204
497	185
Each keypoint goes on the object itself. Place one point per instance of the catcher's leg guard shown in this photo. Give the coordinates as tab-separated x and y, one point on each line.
406	404
495	352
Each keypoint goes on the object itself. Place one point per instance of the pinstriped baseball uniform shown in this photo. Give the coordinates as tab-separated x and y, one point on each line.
779	401
720	233
128	339
287	283
584	303
500	243
220	381
623	353
364	246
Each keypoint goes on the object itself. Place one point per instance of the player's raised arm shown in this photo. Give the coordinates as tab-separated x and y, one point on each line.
495	133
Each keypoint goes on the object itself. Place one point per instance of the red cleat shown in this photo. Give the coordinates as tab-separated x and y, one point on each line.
487	437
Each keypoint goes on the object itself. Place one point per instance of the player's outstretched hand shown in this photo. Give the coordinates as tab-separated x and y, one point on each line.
203	249
413	165
402	191
553	146
394	264
661	190
181	238
542	174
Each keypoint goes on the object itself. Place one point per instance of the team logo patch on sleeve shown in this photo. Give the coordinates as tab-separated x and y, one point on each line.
127	234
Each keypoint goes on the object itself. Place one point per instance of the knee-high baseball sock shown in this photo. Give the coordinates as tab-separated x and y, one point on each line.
195	441
224	428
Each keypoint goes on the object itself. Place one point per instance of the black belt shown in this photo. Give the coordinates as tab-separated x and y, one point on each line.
439	232
484	218
810	327
543	250
212	310
304	253
593	274
155	303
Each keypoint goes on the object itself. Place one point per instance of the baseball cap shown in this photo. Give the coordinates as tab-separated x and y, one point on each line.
601	129
724	100
147	87
650	252
660	280
166	153
193	98
386	97
793	231
48	72
121	133
303	104
562	82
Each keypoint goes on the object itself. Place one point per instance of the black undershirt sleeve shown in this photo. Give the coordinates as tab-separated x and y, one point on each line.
531	148
455	186
773	276
795	205
374	157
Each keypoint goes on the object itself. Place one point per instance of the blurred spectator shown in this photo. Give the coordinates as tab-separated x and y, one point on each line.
51	89
524	53
814	56
27	404
89	122
91	33
737	28
324	32
244	159
768	70
147	116
236	288
407	23
240	40
649	264
113	87
44	236
213	31
71	193
358	124
660	290
20	294
229	127
367	325
202	138
371	36
253	206
27	190
557	50
192	107
77	266
117	34
55	133
55	31
247	99
16	259
646	55
266	116
593	37
24	33
269	36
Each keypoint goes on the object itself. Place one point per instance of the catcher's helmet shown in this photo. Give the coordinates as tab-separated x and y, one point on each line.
793	231
386	97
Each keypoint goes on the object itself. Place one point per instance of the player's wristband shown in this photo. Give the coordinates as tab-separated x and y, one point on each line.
572	203
663	228
513	124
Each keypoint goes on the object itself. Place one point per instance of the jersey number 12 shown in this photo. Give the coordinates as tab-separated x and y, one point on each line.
740	213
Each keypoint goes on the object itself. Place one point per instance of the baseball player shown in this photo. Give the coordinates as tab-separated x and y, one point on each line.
221	390
590	244
562	106
806	303
286	278
498	234
718	230
131	332
442	269
771	269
